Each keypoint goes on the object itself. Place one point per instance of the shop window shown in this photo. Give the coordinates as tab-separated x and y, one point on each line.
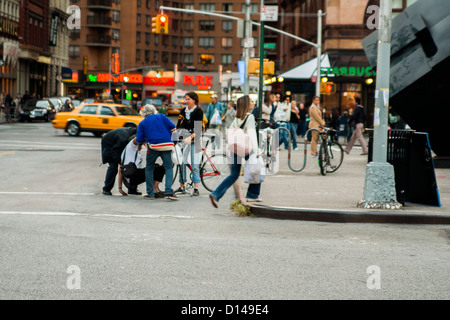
205	58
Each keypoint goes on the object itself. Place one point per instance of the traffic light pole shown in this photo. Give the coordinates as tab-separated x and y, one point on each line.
379	184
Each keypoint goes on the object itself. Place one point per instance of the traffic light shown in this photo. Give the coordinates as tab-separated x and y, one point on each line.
254	65
155	28
163	23
327	88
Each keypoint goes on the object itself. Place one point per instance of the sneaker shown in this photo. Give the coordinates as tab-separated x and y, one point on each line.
315	156
180	190
107	193
196	193
346	152
149	197
171	196
134	192
295	149
213	201
254	200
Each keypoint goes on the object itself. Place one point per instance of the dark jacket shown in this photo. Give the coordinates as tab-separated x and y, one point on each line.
358	116
114	142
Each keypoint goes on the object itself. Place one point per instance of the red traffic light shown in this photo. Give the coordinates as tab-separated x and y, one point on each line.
162	19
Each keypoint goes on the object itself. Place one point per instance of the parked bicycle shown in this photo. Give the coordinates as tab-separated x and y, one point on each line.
213	168
331	153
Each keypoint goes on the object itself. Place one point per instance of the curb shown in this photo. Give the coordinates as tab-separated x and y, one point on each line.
340	216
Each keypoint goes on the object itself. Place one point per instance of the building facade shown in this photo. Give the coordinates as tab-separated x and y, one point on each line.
9	45
345	24
195	44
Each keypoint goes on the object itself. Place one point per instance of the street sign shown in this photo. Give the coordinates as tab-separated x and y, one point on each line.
270	45
249	42
269	13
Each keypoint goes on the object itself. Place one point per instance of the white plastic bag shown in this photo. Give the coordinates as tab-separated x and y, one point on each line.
177	154
254	170
216	119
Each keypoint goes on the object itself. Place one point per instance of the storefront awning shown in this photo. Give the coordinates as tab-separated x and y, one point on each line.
306	70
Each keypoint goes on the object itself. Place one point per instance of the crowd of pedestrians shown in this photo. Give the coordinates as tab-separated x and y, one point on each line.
158	135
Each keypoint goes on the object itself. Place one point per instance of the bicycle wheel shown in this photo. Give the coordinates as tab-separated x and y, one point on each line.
335	156
323	159
214	170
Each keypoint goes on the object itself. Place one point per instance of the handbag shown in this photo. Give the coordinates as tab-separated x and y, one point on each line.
238	141
254	170
130	169
165	146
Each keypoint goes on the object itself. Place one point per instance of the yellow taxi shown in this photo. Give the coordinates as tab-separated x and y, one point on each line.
175	108
97	118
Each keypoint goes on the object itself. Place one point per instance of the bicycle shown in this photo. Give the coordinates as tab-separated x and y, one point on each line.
213	168
331	153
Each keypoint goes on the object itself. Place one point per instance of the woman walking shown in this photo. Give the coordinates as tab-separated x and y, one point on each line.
243	114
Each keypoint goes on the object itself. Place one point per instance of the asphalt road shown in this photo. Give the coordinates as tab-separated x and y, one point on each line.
60	238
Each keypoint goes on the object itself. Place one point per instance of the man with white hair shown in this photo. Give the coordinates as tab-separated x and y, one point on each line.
156	130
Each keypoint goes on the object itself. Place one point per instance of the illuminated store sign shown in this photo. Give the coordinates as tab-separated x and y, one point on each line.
105	77
349	71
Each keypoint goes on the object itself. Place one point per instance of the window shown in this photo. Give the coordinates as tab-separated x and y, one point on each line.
138	19
174	41
188	25
89	110
156	39
207	7
139	3
106	111
206	42
74	51
227	25
189	42
138	37
227	7
116	16
227	42
205	58
147	38
206	25
227	59
188	58
116	34
147	55
155	56
148	20
138	54
174	57
253	8
165	57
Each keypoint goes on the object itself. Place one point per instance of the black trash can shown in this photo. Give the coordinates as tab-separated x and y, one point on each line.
398	155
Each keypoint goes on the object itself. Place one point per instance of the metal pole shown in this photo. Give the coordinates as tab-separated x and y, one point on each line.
379	186
261	73
247	34
319	51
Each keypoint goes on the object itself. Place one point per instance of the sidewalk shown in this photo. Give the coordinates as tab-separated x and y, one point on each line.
307	195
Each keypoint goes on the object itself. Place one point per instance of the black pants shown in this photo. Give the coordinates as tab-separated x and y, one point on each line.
111	174
139	177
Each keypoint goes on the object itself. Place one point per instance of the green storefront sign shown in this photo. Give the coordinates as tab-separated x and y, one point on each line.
349	71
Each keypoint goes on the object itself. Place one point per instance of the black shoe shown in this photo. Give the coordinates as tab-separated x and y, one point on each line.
196	193
159	195
107	193
149	197
134	192
180	190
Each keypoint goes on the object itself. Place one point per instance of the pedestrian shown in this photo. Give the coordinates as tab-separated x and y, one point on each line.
156	131
358	117
228	116
282	117
295	118
112	145
10	108
132	154
303	113
243	114
350	126
334	122
189	126
316	120
266	112
214	109
66	106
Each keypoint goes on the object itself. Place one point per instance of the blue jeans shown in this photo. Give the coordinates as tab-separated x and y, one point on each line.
293	130
195	163
253	189
284	134
301	128
166	157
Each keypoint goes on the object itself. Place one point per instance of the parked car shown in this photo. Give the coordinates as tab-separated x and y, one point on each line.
97	118
57	102
175	109
76	103
154	101
37	110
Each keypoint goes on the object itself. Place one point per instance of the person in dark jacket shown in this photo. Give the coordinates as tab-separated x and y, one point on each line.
112	145
358	117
